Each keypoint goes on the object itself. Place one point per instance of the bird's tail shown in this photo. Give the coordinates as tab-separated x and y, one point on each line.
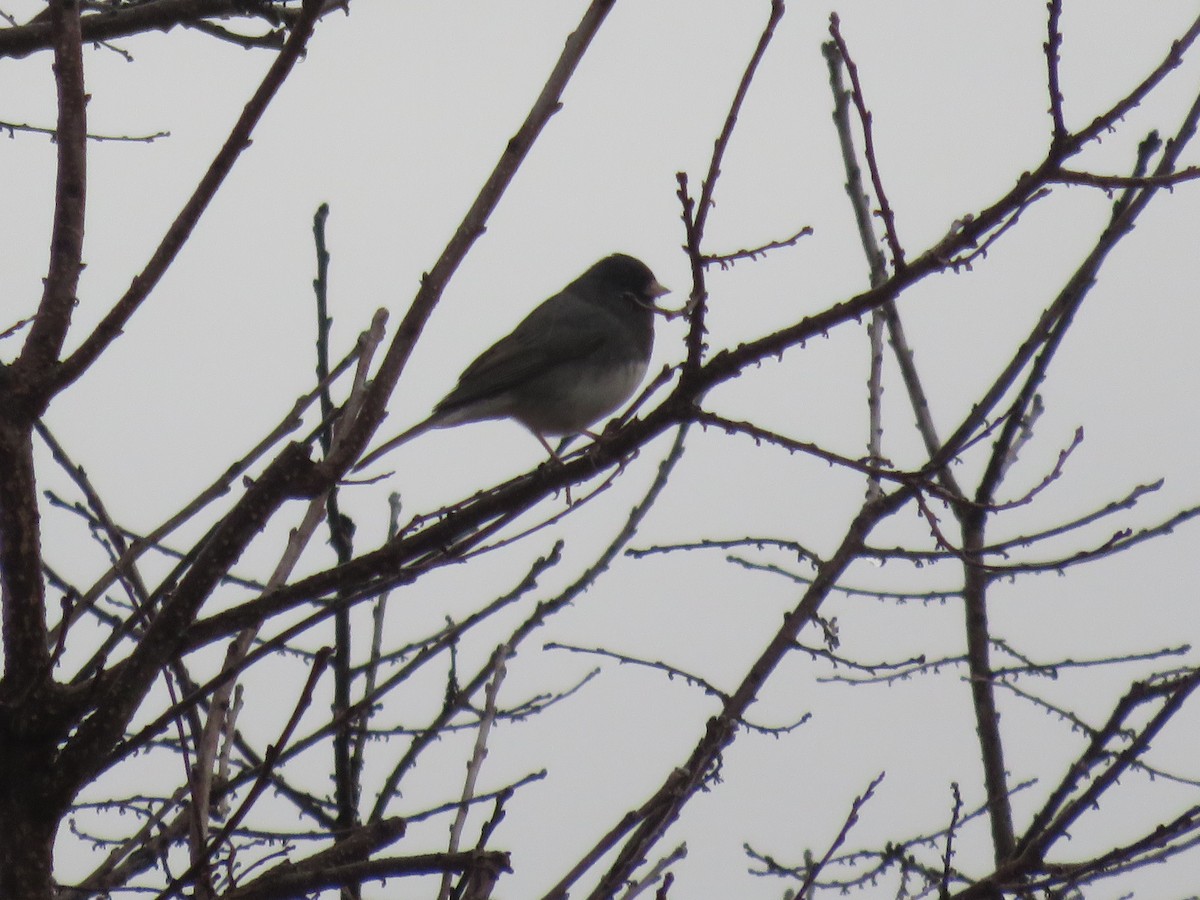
388	446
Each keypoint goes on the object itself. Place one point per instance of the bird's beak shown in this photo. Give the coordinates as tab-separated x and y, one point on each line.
656	290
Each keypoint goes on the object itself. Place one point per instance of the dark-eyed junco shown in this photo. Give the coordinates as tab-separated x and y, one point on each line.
572	361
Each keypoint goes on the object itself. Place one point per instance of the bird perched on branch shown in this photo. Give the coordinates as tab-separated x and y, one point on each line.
573	361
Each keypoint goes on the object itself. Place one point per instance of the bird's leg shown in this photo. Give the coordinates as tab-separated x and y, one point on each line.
610	429
554	457
545	443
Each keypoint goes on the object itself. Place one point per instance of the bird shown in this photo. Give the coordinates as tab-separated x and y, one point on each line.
571	362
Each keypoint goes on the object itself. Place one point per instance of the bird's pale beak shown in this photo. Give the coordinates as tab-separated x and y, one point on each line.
656	290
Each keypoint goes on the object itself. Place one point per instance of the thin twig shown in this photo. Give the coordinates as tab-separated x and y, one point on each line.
113	323
499	659
810	878
1053	48
864	116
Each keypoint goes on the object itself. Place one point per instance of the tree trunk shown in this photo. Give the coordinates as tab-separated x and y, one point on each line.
28	823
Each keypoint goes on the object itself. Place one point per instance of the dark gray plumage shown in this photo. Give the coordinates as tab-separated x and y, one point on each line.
573	361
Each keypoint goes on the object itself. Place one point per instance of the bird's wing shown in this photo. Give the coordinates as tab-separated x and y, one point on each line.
563	329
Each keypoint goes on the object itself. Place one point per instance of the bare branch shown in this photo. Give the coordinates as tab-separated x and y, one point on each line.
135	18
1053	46
13	127
238	141
864	117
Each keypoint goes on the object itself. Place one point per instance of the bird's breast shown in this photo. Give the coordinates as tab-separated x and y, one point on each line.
580	395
